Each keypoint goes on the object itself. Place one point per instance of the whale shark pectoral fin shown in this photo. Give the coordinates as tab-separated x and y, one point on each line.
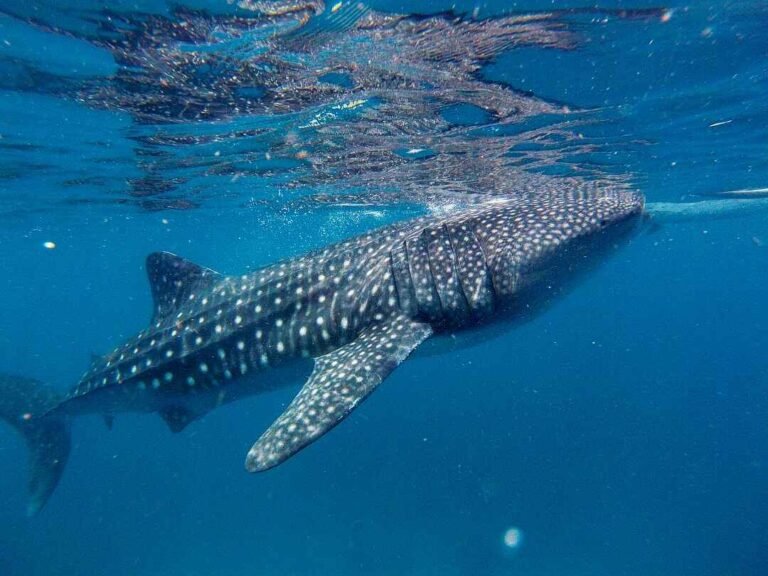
173	280
339	382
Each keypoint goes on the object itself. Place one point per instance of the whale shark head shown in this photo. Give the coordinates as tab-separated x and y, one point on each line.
538	247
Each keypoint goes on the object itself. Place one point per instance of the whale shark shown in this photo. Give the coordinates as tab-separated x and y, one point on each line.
345	315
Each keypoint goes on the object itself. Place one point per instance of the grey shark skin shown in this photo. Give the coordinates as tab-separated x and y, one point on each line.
358	308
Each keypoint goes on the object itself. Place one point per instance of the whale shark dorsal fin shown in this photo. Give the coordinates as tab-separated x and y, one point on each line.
174	280
339	382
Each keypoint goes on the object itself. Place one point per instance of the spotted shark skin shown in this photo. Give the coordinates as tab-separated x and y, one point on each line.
357	308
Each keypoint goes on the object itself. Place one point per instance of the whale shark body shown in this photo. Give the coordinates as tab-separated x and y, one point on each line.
355	309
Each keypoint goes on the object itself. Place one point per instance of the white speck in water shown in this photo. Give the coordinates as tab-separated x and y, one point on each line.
513	537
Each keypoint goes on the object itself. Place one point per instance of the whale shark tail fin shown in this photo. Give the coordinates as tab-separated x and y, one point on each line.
25	404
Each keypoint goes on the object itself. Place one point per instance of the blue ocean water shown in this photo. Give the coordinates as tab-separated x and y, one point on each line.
623	431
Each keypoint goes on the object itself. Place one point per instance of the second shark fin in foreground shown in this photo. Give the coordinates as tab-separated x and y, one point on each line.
339	382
